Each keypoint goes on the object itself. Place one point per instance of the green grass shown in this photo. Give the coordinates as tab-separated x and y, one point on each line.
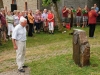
42	39
62	64
6	46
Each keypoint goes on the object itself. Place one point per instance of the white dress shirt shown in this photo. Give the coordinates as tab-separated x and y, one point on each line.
19	33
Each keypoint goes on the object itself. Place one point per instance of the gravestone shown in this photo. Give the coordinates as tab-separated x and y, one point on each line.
81	48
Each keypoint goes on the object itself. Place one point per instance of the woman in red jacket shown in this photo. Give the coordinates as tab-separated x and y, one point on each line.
50	19
92	15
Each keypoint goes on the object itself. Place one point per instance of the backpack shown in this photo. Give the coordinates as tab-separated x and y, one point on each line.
3	20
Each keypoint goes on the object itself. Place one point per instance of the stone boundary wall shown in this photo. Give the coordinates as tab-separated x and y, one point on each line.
32	4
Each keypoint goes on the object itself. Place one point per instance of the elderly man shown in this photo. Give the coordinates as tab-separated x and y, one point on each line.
92	15
19	43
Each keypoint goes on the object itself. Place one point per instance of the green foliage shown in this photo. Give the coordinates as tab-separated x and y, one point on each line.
48	2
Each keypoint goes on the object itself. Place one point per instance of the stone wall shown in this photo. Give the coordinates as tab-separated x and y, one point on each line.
32	4
7	3
1	4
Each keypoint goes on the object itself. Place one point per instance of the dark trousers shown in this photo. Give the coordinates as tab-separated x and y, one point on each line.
71	22
30	32
38	26
91	29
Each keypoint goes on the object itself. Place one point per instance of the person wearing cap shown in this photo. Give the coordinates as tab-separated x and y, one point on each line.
92	16
19	43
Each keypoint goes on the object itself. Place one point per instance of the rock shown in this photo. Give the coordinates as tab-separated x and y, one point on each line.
81	48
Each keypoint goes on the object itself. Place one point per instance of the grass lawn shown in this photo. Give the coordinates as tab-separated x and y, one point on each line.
63	64
52	54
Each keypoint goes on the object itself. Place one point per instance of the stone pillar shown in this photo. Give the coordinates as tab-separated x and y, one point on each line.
81	48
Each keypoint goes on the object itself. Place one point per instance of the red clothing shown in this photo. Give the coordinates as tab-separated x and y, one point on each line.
78	13
86	14
50	17
65	14
2	19
92	17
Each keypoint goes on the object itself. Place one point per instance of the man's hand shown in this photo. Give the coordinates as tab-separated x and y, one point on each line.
15	47
99	12
14	44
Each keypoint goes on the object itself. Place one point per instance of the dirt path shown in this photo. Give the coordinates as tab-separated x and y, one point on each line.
33	58
15	72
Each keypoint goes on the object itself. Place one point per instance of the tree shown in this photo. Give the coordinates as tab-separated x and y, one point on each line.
54	4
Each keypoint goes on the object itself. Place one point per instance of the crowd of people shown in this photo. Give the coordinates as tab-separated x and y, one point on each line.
81	17
77	16
14	25
36	21
42	20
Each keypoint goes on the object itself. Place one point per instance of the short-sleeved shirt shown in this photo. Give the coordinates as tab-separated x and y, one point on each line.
79	13
97	9
65	14
16	20
10	19
44	16
19	33
50	16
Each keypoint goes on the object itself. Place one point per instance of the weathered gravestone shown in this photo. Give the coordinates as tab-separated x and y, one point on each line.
81	48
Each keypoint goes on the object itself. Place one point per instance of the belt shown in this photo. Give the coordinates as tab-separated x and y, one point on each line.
20	41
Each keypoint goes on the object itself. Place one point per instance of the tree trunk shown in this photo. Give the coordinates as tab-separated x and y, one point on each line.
60	26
